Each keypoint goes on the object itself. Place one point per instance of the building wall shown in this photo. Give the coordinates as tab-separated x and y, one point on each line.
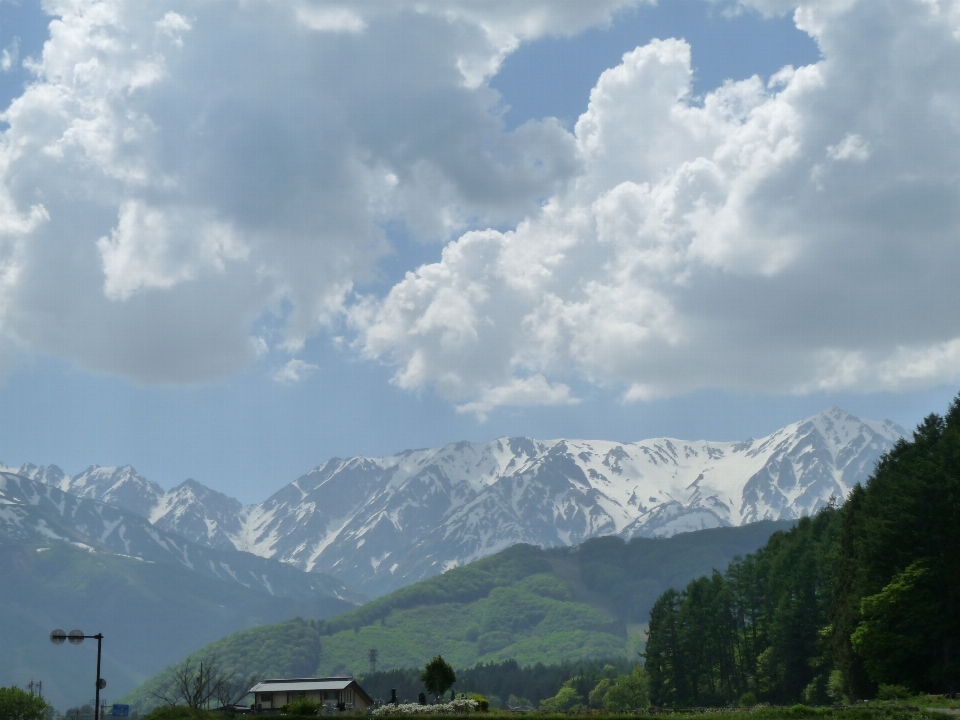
353	700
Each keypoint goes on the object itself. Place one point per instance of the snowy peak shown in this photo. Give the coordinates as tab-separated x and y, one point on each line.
393	520
48	475
385	522
191	510
839	430
199	514
122	487
812	461
31	511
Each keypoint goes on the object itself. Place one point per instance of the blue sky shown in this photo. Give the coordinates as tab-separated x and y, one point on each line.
240	241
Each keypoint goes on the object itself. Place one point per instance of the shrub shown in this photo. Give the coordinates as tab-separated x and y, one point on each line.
514	701
629	692
481	702
748	699
455	707
181	712
562	701
835	688
599	693
893	692
301	707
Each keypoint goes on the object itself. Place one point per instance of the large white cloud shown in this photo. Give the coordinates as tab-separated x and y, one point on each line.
788	236
180	170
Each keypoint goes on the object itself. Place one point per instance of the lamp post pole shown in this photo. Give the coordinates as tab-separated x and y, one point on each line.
96	709
76	637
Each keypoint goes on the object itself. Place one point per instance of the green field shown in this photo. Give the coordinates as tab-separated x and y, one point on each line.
796	712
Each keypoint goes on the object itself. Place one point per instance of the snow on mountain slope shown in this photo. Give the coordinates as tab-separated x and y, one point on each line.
204	516
31	511
191	510
386	522
122	487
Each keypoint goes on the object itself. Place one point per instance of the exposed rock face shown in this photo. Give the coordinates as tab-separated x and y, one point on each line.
381	523
31	511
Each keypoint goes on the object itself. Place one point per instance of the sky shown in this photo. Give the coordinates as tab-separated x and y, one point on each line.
240	238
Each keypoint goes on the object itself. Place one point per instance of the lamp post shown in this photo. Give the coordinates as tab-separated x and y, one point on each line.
76	637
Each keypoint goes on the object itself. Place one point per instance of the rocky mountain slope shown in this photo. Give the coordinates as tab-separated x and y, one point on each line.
190	510
32	512
386	522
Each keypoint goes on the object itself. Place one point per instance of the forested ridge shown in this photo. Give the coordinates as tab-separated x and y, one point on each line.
528	605
860	599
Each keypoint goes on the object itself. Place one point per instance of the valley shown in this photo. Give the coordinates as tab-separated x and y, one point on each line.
109	547
524	603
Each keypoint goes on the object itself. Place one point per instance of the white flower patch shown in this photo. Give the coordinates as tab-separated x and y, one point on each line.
460	706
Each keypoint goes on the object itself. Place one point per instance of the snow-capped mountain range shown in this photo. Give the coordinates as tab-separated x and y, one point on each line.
32	511
191	509
381	523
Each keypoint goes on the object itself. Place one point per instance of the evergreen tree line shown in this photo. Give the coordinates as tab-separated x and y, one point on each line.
859	600
501	683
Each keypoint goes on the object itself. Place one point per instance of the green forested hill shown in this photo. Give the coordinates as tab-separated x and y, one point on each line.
525	603
861	600
151	614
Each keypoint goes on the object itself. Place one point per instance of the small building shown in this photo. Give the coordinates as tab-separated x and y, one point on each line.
335	694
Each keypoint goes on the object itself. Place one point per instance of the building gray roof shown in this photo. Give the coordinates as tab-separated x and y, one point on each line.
302	685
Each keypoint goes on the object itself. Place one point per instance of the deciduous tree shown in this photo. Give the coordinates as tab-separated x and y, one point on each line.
438	676
17	704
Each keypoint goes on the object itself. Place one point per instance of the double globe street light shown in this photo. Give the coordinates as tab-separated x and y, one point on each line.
57	637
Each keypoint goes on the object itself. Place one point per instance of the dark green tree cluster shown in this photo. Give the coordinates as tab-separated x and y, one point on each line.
858	601
898	577
526	684
757	628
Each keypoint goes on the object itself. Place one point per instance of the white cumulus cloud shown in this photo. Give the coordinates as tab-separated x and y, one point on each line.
294	371
788	235
10	55
153	248
177	174
520	392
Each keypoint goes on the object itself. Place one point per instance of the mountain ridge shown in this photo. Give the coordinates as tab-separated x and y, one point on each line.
525	603
384	522
32	511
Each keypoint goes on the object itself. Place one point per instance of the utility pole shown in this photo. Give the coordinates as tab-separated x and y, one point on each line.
373	660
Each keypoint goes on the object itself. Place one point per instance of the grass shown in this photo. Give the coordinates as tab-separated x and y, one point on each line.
760	713
912	709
